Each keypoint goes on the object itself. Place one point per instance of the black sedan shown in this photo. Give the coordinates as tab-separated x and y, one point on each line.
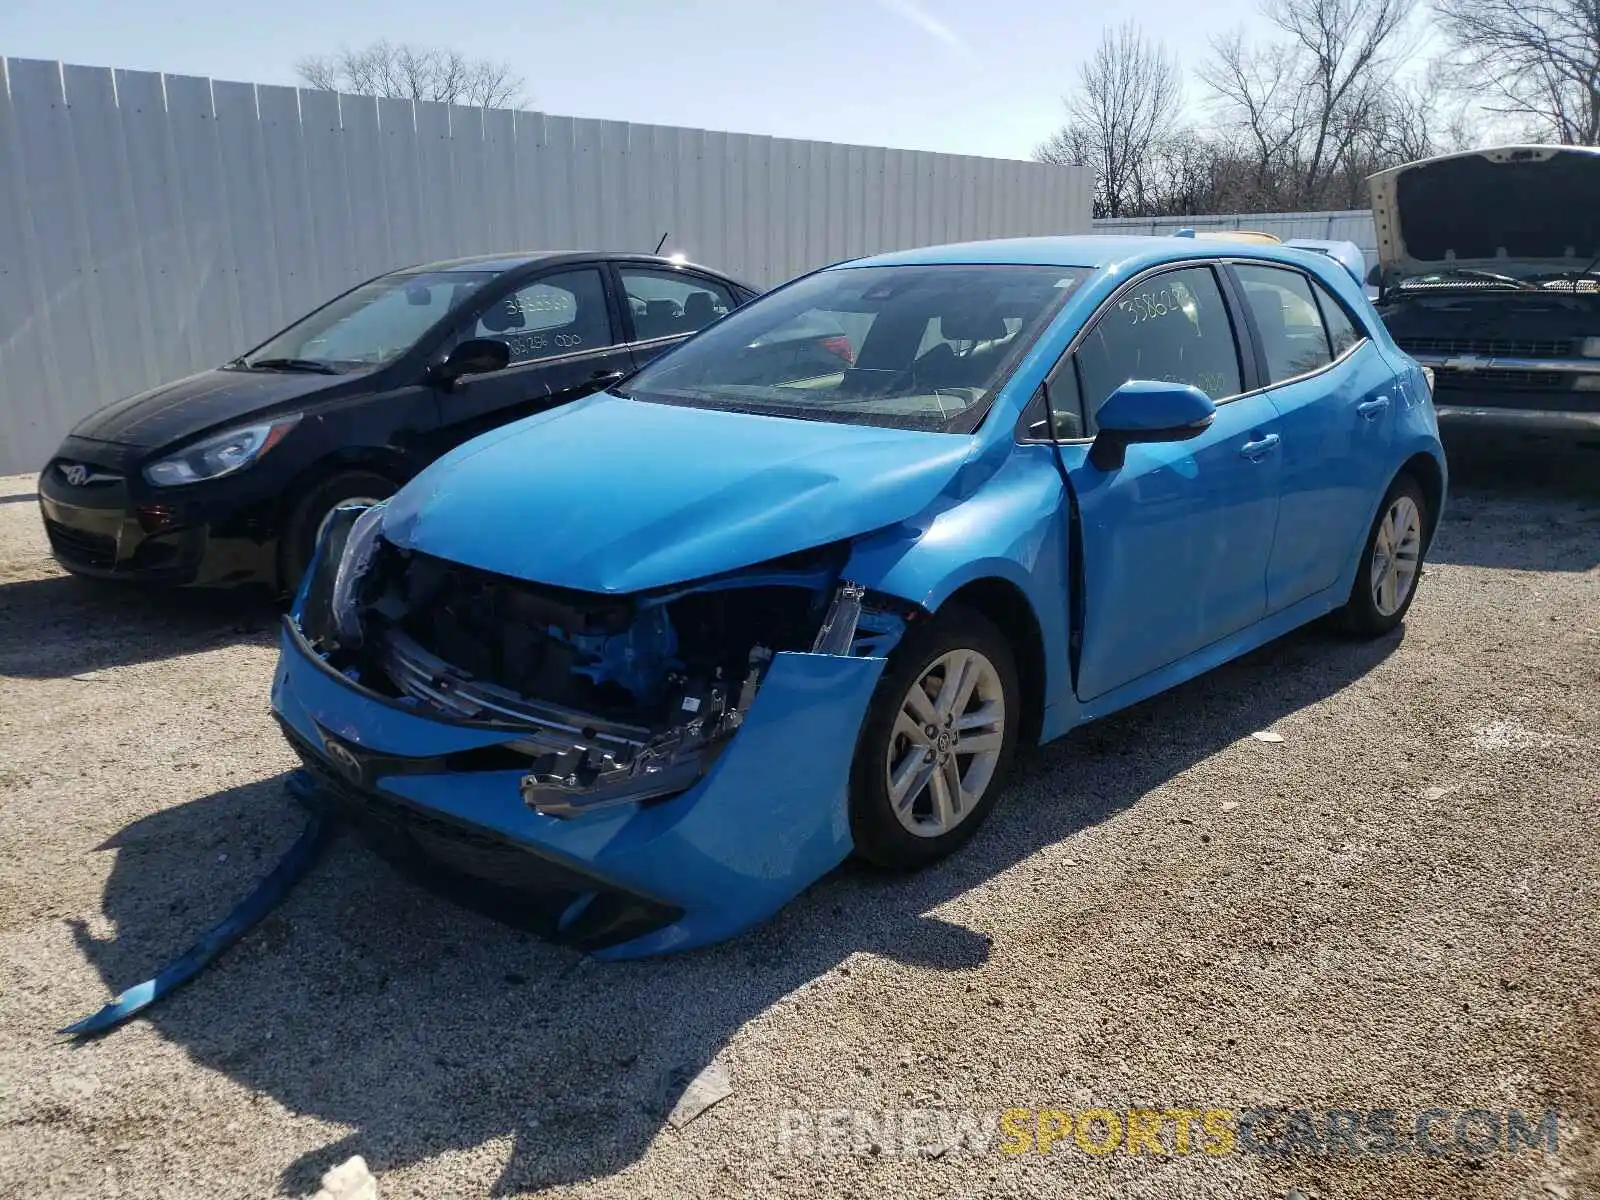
226	477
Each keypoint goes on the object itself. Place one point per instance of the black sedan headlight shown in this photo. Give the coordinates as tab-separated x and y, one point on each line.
221	454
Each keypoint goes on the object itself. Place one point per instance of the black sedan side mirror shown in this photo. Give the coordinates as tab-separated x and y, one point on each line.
475	356
1375	277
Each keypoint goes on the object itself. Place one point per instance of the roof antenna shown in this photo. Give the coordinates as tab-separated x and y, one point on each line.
662	242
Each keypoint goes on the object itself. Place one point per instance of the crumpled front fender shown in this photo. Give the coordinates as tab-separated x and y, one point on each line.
768	819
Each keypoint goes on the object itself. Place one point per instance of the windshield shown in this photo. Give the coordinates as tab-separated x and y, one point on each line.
370	326
915	347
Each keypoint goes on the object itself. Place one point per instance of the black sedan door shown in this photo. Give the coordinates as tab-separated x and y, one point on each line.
565	342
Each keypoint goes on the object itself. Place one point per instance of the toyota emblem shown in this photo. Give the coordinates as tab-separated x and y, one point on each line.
340	755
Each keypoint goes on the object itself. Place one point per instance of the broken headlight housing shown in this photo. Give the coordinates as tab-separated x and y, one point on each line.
354	563
326	606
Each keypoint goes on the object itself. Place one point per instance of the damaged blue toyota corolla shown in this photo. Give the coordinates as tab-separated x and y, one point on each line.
635	672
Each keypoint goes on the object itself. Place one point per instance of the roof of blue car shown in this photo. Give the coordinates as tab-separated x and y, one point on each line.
1102	250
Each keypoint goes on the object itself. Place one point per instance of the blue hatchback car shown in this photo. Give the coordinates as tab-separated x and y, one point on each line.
636	671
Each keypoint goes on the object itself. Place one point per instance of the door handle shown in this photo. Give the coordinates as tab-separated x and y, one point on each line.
1371	409
1257	450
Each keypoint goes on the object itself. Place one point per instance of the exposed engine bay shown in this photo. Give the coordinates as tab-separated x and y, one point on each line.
618	699
1496	346
1488	263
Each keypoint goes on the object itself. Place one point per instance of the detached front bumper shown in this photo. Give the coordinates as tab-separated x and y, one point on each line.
441	797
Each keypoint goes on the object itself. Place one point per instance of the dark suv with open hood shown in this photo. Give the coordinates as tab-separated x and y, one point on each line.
1487	265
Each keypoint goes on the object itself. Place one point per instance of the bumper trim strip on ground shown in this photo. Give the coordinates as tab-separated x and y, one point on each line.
245	915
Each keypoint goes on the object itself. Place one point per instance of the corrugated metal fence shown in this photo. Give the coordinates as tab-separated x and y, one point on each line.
1353	226
151	226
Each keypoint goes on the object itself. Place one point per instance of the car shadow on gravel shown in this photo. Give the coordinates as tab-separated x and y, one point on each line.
63	625
366	1002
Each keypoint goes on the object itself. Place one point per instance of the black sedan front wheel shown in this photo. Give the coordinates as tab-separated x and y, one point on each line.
937	743
311	512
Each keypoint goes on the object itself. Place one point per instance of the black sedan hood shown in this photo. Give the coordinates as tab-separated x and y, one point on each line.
176	411
1490	209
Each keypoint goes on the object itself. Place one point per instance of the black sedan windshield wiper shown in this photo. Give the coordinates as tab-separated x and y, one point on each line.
312	365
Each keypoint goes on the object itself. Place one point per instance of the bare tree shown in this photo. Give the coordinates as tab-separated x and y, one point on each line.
1419	118
414	73
1538	59
1126	101
1305	103
1259	95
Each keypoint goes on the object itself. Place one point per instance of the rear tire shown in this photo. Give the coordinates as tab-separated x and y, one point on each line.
915	797
1391	562
305	520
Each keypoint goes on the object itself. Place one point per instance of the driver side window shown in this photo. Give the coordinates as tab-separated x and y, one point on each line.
1172	327
557	314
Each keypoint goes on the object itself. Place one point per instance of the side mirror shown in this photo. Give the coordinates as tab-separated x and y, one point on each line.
1375	276
475	356
1148	411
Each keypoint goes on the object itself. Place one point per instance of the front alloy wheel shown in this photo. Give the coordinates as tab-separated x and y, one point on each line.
947	742
937	741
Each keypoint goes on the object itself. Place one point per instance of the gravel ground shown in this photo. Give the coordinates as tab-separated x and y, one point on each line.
1397	906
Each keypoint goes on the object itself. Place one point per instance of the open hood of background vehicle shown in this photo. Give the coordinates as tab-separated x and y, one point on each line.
613	496
1488	209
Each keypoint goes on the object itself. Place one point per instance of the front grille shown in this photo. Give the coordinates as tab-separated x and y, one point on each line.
76	473
81	546
1490	347
1504	380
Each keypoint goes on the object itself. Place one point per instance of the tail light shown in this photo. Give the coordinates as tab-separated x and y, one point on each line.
839	345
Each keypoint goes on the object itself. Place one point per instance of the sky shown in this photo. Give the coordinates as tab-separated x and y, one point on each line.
948	75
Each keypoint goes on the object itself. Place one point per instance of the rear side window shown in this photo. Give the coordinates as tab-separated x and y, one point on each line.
1174	328
557	314
1292	336
1342	331
670	303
